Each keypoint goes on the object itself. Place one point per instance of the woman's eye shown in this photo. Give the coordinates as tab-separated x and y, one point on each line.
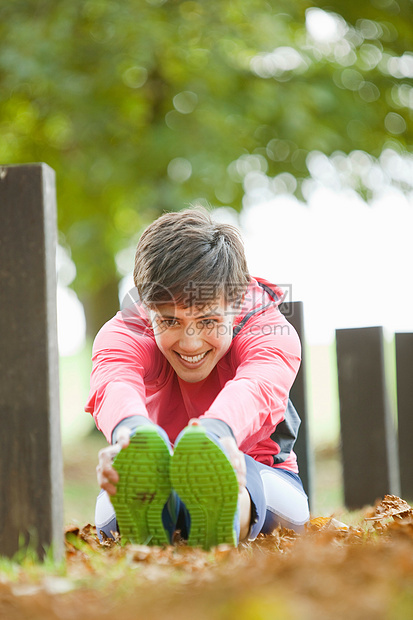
208	323
169	322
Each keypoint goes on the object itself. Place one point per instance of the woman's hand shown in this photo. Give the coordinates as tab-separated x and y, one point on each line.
107	476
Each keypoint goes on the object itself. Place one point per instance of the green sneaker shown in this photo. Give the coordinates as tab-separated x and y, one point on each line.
206	482
143	488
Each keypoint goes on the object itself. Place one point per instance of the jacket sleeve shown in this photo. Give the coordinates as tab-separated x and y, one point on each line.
121	356
266	354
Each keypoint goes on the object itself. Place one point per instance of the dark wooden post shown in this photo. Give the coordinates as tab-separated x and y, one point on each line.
293	311
368	434
30	444
404	364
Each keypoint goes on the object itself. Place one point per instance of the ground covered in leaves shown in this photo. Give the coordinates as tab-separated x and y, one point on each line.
330	571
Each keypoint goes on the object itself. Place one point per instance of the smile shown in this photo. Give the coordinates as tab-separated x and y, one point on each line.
193	359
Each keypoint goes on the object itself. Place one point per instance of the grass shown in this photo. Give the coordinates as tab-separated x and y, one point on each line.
322	574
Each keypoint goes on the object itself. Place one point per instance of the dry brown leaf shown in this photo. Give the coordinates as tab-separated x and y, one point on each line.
390	506
326	523
403	528
72	529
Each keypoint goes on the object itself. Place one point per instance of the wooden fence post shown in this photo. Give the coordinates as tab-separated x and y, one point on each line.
368	435
31	506
404	365
293	311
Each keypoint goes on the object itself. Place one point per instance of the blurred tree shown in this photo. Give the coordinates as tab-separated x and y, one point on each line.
146	105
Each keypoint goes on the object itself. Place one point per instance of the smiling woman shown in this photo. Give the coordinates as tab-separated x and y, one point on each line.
200	360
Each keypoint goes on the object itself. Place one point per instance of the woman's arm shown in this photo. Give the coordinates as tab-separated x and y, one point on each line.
122	358
266	354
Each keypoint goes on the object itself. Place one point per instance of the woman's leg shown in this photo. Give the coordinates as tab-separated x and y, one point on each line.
105	517
277	498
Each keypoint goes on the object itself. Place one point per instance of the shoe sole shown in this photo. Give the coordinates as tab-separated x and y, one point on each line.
205	481
143	488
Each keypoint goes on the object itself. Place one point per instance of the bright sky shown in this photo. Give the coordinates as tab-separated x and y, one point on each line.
350	263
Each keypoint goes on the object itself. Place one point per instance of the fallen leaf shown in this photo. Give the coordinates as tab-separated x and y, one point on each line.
326	523
390	506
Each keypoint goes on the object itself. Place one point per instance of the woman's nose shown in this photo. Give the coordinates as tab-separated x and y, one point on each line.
190	340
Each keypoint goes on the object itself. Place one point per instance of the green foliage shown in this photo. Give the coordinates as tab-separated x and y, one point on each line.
146	105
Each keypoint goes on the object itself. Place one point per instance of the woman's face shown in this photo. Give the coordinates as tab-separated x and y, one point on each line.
193	339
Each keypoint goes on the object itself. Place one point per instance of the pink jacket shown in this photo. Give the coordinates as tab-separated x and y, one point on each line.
248	388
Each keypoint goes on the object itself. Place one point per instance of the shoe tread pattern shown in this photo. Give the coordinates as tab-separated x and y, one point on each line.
206	482
143	488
